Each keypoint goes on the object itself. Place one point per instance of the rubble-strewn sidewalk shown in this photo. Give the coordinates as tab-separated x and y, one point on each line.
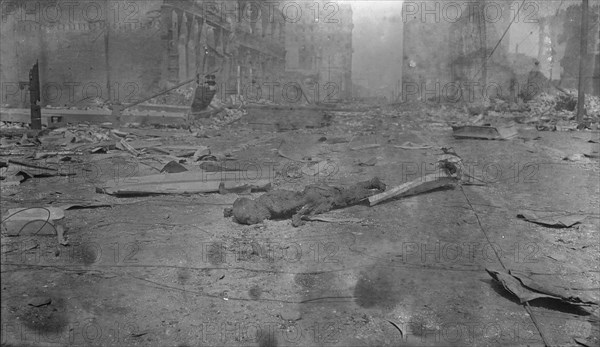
101	219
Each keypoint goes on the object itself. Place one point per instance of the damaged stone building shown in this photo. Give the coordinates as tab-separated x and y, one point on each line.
124	51
451	48
319	48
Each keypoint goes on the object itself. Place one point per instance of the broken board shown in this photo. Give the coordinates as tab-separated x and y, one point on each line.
417	186
189	182
483	132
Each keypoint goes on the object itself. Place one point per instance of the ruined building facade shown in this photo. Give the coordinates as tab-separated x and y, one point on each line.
319	49
446	45
242	42
125	51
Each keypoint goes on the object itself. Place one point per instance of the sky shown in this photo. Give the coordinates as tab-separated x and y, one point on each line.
377	43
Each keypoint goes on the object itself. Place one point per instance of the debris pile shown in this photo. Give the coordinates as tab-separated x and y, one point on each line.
182	96
13	125
558	112
28	153
565	102
219	115
547	112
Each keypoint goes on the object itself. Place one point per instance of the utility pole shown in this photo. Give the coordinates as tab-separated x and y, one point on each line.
107	53
582	60
35	97
329	68
483	42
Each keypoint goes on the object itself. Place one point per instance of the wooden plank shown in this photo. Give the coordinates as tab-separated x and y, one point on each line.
185	187
91	116
189	182
192	176
417	186
484	132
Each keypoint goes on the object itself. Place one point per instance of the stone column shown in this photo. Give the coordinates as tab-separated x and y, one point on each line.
200	50
182	48
191	48
166	35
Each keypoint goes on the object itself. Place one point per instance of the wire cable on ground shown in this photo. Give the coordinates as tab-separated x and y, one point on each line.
526	304
47	221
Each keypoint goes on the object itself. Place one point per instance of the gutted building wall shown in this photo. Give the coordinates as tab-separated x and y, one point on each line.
239	41
319	48
70	43
441	46
446	46
571	38
135	48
